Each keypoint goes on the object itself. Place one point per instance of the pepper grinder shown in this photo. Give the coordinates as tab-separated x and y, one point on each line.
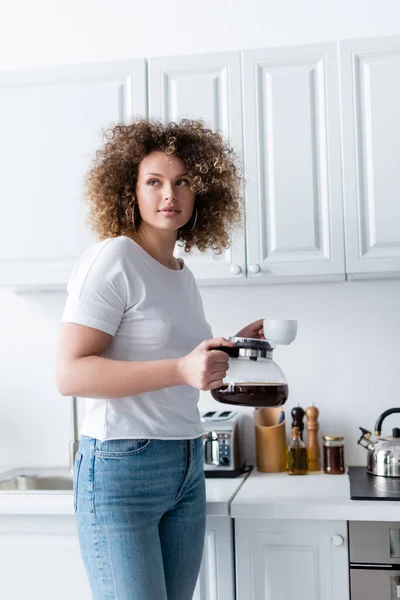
298	416
313	450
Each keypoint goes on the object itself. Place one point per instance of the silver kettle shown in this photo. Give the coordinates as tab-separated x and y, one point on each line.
384	452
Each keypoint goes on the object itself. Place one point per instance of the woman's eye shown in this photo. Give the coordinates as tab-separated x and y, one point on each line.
152	182
182	182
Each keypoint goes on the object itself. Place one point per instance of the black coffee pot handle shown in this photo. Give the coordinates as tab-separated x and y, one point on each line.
378	424
232	351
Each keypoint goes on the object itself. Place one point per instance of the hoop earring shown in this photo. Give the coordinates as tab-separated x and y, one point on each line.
133	216
195	221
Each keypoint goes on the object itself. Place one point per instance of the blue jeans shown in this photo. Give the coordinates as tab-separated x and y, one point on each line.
141	514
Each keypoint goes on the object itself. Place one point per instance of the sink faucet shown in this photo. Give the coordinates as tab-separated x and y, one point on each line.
74	443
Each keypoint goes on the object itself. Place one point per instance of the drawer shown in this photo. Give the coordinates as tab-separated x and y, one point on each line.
374	542
374	585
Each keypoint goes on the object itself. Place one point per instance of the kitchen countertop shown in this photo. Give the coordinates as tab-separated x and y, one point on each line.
219	493
255	495
313	496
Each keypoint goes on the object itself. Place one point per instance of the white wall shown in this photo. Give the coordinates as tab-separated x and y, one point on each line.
346	357
46	32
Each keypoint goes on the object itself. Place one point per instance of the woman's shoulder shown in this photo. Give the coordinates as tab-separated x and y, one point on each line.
102	259
108	249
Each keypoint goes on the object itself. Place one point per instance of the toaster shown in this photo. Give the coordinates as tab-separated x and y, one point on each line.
222	453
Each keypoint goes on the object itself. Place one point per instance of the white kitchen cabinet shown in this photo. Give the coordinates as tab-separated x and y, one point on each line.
277	560
50	122
293	164
40	558
208	87
307	148
216	578
370	89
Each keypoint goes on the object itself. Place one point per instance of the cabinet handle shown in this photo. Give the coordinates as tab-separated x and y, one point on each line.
337	540
255	268
236	269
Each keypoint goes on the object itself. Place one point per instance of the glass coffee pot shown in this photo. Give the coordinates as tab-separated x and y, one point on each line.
254	378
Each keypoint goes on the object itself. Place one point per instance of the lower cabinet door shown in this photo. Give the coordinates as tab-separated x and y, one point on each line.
278	560
40	559
216	578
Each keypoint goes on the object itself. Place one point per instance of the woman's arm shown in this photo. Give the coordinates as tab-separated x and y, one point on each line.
82	371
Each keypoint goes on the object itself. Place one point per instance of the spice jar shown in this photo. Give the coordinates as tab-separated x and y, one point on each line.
333	454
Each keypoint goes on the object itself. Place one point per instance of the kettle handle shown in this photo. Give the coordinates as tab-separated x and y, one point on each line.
378	424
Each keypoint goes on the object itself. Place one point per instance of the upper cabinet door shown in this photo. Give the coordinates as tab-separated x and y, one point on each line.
50	123
204	87
371	150
293	164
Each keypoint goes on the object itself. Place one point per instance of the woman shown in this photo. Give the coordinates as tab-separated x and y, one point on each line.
134	341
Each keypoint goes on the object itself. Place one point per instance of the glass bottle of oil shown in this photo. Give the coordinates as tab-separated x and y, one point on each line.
297	454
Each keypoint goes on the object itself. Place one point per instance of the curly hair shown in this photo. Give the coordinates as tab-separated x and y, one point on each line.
213	170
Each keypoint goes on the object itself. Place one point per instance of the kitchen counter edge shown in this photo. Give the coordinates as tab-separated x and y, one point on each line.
316	496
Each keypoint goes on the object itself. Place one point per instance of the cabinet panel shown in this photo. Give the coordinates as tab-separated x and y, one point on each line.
216	578
293	163
371	146
47	151
206	587
204	87
40	558
46	551
298	560
276	560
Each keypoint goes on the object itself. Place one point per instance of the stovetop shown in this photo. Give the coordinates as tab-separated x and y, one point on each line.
364	486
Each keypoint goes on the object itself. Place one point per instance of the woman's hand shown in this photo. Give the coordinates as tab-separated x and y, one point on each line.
254	330
206	366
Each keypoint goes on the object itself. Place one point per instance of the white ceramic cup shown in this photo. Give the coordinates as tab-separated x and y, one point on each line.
281	331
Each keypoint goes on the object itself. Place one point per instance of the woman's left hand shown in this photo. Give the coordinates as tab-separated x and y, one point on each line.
254	330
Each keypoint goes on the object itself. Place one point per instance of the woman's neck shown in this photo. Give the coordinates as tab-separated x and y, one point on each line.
160	245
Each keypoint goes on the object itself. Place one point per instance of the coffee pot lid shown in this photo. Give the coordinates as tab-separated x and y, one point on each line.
252	348
253	343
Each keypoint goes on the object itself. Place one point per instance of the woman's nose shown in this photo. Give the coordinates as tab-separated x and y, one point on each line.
169	191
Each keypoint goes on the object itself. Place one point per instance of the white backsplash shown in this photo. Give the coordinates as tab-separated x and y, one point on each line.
345	359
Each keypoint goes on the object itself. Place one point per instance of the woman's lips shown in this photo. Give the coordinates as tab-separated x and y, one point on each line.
169	212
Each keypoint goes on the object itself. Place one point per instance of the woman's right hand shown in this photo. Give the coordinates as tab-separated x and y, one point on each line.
206	366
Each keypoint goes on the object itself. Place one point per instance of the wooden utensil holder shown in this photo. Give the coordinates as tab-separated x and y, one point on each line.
270	440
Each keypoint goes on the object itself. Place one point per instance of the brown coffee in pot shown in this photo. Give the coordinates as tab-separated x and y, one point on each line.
252	394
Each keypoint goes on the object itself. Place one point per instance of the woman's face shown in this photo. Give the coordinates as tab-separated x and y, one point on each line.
163	191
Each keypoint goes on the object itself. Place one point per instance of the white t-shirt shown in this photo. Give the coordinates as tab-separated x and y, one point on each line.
153	313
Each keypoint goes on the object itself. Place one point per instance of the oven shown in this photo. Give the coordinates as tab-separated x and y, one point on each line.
374	550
